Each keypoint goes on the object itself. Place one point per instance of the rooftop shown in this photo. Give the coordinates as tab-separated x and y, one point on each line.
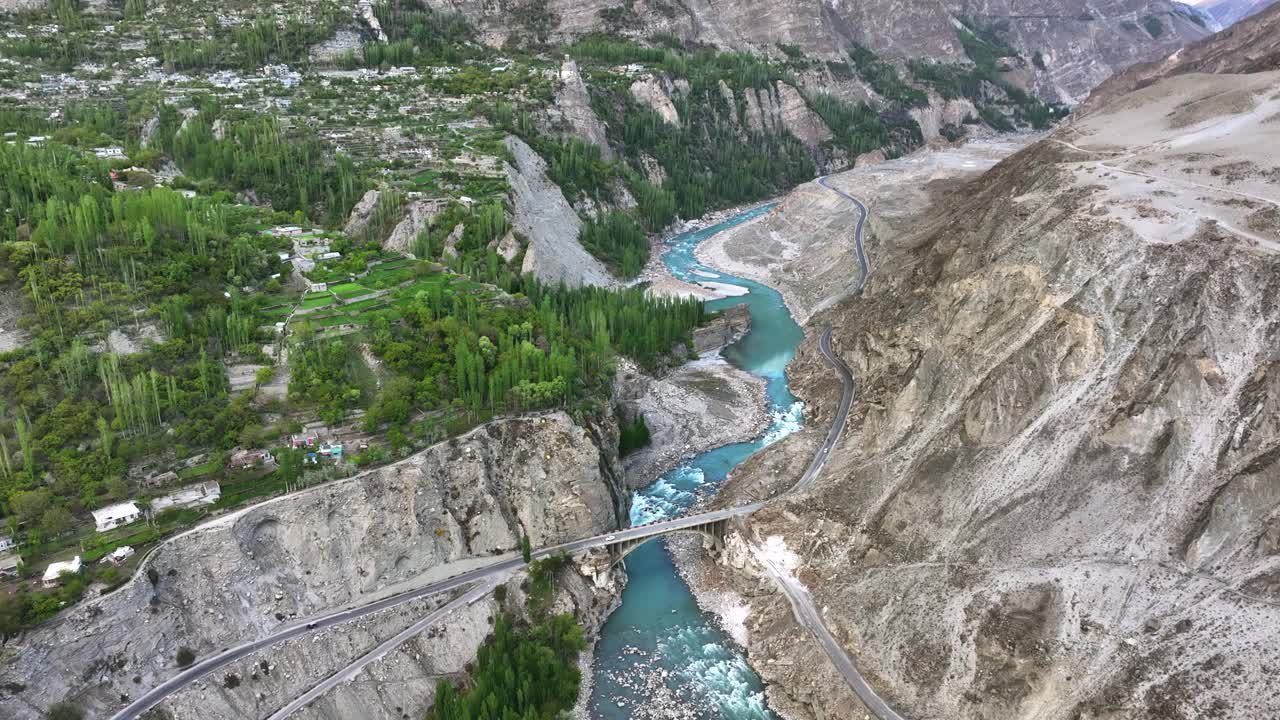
115	512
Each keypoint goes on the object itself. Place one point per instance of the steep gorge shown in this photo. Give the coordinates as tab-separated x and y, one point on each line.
1058	494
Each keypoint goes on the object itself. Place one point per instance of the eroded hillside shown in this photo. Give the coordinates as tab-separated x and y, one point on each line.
1077	44
334	546
1058	493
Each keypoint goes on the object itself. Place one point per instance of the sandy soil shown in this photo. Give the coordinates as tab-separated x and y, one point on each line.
1196	149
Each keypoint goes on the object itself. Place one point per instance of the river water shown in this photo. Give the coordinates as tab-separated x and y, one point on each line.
658	656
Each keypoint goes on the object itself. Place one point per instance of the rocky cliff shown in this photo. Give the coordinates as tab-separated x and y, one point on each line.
1080	43
1058	493
545	217
339	544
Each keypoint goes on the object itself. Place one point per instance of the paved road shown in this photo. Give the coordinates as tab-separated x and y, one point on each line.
837	423
805	612
857	230
497	568
480	590
808	616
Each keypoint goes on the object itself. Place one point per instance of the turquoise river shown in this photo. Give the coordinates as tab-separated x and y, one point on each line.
658	655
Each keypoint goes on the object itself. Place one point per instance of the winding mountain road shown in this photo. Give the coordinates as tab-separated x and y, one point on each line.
802	607
488	576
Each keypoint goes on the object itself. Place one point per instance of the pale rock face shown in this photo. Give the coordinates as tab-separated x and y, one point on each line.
545	217
451	242
798	119
650	91
941	112
417	218
231	580
149	129
343	43
573	103
508	247
361	214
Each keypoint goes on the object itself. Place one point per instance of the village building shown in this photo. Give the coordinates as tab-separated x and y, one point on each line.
120	554
109	153
53	574
205	493
251	458
164	478
9	565
114	516
6	543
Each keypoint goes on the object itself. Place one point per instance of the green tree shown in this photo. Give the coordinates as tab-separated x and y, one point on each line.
526	549
55	521
30	505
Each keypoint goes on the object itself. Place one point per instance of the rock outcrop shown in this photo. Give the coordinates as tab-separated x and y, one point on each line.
417	217
361	214
237	577
507	247
733	323
573	106
545	217
650	91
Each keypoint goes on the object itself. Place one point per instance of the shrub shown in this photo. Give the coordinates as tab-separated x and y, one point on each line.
1154	27
185	657
63	711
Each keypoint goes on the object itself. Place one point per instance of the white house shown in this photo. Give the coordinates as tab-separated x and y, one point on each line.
120	554
53	574
109	153
206	493
113	516
6	543
8	565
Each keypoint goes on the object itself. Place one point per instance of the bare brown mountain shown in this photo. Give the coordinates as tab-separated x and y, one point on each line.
1248	47
1078	43
1059	493
1230	12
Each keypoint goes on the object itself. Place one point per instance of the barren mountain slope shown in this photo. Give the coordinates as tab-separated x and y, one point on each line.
1080	43
1230	12
1059	494
1248	47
